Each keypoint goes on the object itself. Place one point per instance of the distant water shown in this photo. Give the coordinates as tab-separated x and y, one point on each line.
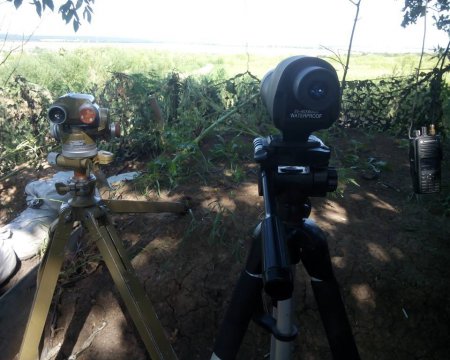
56	44
51	44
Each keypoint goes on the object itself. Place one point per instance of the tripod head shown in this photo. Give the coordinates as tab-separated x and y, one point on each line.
300	168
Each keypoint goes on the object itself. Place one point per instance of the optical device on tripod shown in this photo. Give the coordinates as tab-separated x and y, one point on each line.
301	96
425	155
77	122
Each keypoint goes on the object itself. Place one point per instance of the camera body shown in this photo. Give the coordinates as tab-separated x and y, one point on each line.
77	121
425	155
302	95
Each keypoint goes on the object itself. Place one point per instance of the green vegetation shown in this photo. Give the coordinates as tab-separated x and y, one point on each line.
81	69
209	103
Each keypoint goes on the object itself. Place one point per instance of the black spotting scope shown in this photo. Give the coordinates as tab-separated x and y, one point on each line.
302	95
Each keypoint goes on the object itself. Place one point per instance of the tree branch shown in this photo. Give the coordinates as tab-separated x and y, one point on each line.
357	4
21	46
222	119
337	57
344	76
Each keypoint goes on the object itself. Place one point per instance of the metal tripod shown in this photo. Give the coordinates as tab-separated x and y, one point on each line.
92	213
289	174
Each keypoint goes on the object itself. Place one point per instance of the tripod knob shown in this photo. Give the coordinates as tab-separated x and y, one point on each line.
51	158
62	189
105	157
260	149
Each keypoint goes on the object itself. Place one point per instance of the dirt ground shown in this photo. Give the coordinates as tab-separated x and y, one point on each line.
390	252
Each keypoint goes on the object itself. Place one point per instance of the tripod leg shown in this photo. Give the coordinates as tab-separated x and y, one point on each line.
47	279
317	262
51	232
133	206
245	301
132	292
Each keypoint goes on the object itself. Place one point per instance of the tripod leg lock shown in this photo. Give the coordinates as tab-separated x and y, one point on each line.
269	323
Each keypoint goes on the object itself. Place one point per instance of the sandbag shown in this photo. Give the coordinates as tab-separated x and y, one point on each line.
42	193
8	261
27	233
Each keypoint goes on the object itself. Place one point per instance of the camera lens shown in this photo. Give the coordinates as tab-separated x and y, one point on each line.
318	90
57	114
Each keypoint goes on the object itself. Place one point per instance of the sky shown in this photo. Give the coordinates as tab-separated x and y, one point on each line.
297	23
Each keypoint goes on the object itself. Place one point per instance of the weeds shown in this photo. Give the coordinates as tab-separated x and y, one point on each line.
346	177
221	219
217	230
192	227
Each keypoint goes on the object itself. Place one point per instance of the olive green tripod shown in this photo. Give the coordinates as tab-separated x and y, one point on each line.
93	214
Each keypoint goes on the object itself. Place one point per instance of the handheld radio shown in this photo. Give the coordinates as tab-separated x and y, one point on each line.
425	155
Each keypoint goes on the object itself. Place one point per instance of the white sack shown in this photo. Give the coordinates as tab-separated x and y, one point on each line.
8	261
42	193
27	233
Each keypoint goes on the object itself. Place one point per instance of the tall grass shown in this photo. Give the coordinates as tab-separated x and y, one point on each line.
82	68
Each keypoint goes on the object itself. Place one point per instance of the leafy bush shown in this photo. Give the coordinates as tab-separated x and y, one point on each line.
23	135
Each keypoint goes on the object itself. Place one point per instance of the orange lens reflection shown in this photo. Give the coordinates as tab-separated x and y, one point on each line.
87	115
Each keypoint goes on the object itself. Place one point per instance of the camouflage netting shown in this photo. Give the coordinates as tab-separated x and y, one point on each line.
390	104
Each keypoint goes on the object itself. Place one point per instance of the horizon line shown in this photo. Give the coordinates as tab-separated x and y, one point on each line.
75	39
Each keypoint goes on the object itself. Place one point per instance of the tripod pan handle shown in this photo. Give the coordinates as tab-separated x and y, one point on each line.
277	273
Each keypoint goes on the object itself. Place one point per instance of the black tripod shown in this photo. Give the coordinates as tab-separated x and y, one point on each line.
289	173
93	214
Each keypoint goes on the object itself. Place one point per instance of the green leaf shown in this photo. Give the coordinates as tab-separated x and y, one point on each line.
38	6
76	25
17	3
87	15
68	16
49	4
65	9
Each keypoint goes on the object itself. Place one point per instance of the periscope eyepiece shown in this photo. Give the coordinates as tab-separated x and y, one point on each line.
302	95
57	114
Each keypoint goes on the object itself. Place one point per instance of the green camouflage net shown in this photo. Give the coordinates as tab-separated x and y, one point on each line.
391	104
